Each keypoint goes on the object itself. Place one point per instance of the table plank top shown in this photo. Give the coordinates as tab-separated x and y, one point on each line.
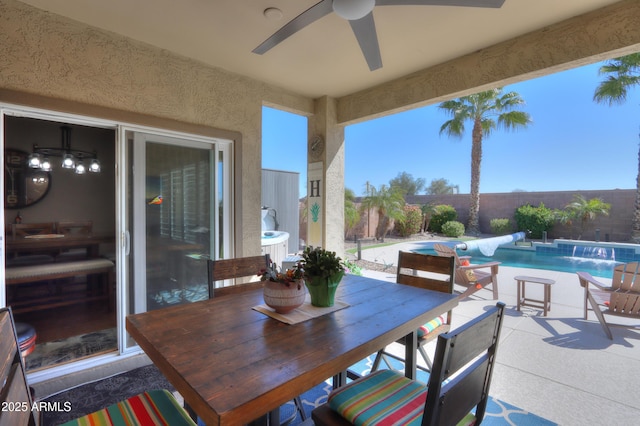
67	241
547	281
233	364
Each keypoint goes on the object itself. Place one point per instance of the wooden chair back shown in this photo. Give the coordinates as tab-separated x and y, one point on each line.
15	396
624	298
241	267
437	271
449	401
75	227
26	229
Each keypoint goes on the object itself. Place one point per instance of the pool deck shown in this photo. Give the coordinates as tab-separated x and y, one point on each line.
560	367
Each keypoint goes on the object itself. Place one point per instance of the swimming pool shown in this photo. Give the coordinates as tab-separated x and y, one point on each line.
598	261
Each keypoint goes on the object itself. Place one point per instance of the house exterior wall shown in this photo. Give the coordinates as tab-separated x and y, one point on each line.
52	62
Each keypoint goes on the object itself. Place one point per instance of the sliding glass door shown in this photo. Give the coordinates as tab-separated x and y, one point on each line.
176	217
162	205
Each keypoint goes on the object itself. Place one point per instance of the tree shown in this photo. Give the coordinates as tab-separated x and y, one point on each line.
487	111
623	74
407	184
389	204
351	213
586	210
440	186
428	210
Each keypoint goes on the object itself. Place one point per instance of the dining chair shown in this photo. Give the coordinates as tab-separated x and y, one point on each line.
74	227
28	229
150	407
237	268
459	382
71	228
15	391
431	273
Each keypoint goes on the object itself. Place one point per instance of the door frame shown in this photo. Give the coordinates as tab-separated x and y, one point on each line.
225	149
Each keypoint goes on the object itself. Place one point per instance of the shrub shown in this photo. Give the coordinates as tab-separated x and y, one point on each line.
443	213
534	220
411	222
453	229
352	268
500	226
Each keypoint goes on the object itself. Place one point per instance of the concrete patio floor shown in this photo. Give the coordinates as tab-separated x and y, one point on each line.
559	367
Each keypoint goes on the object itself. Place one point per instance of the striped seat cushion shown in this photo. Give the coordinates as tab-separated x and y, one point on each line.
384	397
156	407
430	326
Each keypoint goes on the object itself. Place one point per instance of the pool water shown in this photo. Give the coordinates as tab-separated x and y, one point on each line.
560	259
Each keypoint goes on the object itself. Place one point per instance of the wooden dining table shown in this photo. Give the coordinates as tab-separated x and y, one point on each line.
233	364
53	242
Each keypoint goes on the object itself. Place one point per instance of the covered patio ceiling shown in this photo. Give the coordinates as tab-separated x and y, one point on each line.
323	58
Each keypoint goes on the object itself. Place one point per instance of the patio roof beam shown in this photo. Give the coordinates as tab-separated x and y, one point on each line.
609	32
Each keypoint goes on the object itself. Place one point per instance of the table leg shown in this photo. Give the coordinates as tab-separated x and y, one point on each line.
271	418
340	379
547	299
410	356
519	283
190	411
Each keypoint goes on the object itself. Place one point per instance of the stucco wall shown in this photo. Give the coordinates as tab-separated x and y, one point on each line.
54	57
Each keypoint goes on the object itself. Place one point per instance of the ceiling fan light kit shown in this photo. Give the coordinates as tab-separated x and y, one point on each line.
353	9
273	13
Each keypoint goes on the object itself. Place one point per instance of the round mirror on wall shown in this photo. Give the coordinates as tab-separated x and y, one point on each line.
23	186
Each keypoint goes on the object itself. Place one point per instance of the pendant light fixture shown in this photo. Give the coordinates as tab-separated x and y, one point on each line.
71	158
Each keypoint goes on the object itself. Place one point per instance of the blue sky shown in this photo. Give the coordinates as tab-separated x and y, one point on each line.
572	144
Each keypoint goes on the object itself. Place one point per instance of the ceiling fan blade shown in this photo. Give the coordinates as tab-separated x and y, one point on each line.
365	31
465	3
309	16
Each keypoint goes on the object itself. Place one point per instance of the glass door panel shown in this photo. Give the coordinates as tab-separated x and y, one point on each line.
178	223
174	210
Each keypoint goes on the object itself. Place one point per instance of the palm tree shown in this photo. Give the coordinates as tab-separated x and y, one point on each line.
586	210
351	213
428	210
487	111
623	74
388	202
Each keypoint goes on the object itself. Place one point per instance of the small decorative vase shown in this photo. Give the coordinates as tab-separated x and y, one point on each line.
282	298
323	289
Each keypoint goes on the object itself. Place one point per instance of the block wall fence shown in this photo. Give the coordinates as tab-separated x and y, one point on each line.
615	227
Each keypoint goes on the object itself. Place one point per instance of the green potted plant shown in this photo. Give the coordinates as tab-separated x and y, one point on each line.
323	270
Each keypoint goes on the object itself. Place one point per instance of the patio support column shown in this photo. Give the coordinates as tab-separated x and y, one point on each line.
325	178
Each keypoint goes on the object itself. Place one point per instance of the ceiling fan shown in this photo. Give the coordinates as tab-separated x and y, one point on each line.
360	17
